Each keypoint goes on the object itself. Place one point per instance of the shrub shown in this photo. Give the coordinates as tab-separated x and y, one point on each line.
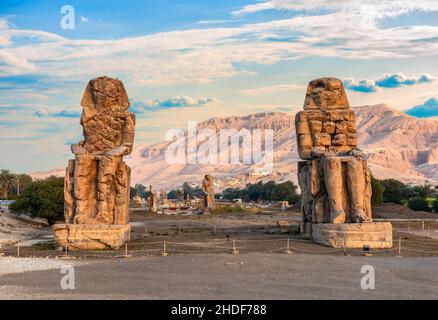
418	204
378	191
42	199
435	206
394	191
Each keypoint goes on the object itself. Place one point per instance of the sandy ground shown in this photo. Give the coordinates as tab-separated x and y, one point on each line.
219	276
22	229
11	265
257	273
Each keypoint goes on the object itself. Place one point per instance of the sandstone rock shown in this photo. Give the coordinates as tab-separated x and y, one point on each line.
97	182
353	235
208	188
334	179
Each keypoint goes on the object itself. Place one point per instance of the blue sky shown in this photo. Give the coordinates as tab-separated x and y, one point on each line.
191	60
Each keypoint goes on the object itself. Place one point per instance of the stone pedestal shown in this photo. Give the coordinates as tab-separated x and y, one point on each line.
376	235
91	236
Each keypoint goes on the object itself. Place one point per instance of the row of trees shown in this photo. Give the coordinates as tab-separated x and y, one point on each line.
11	184
419	198
286	191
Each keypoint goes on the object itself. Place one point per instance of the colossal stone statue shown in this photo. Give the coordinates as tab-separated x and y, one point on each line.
334	178
97	181
208	188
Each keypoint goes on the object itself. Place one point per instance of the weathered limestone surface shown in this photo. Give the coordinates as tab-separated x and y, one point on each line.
91	237
97	181
154	201
334	177
376	235
208	188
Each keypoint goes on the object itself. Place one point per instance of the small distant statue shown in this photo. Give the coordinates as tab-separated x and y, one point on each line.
154	201
208	188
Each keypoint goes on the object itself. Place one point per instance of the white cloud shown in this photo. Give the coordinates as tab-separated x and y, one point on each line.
174	102
84	19
388	80
349	29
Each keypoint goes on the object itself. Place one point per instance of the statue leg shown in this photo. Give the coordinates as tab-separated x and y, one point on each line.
356	187
84	173
106	190
334	185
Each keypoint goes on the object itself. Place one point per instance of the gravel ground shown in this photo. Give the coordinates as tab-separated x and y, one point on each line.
224	276
9	265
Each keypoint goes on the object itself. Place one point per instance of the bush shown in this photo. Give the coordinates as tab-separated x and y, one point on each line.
42	199
418	204
394	191
378	191
435	206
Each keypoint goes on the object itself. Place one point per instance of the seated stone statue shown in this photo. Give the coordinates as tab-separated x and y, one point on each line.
208	188
334	178
98	180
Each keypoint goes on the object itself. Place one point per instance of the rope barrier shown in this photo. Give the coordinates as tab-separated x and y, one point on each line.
214	246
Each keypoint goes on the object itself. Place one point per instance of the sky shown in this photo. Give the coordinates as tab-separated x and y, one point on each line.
190	60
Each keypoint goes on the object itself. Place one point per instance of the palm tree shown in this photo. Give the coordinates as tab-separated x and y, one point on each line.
6	181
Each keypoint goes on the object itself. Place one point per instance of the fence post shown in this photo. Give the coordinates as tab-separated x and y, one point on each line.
288	248
234	248
126	249
399	246
164	254
428	231
214	229
66	247
345	247
18	250
422	222
249	229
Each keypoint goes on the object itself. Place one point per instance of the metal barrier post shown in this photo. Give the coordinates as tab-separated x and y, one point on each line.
164	254
288	249
399	246
234	248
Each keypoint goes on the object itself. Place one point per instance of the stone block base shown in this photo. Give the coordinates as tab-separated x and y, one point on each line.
90	236
376	235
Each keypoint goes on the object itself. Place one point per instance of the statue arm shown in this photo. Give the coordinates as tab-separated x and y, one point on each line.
78	148
127	140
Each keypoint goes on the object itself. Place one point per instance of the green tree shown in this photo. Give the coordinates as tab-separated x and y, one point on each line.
418	204
132	193
42	199
286	191
141	190
394	190
422	191
255	191
378	191
435	206
175	194
20	183
6	182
